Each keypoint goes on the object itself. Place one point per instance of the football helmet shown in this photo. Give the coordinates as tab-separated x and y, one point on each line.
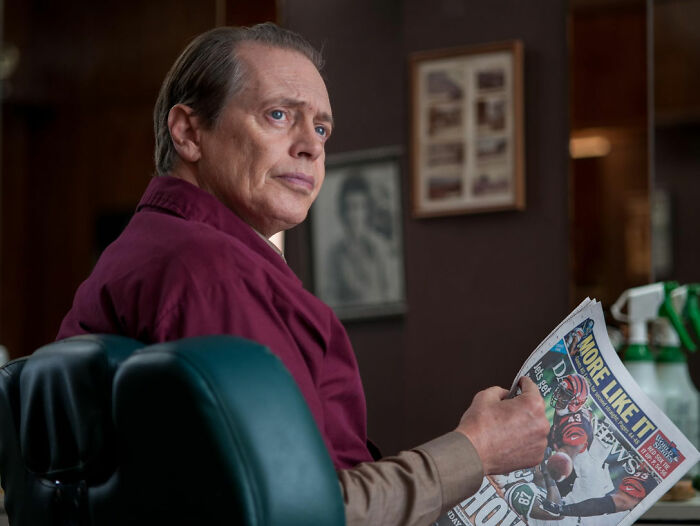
571	393
574	429
523	496
638	485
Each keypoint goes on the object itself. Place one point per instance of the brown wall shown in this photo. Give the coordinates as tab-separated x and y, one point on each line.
677	127
77	141
610	194
483	289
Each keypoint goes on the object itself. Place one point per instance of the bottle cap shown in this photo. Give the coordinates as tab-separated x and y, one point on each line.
637	352
669	312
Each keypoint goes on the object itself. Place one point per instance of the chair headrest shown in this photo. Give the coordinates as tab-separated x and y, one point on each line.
253	454
65	393
209	430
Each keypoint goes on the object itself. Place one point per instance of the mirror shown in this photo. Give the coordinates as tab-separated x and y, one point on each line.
635	146
609	192
676	135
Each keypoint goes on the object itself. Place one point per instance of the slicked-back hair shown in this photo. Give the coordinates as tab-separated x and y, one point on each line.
208	73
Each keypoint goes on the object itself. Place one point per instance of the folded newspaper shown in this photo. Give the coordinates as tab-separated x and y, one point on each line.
611	452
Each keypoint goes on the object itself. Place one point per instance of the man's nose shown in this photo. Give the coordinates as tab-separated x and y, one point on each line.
306	142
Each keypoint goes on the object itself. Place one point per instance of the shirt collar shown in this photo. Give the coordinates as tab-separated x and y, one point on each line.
178	197
272	245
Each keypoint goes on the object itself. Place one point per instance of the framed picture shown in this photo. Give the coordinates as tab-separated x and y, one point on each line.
356	235
467	152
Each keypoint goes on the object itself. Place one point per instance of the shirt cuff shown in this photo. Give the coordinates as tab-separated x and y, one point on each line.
458	466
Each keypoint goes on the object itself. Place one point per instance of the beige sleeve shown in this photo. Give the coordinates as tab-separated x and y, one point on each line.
413	488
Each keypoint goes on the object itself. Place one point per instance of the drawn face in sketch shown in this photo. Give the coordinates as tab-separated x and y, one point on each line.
357	206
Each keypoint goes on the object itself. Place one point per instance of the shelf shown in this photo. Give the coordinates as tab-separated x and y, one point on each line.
674	511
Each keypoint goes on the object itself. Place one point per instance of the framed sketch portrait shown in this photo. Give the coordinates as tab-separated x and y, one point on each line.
467	151
356	235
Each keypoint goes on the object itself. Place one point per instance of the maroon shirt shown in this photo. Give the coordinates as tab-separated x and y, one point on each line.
187	266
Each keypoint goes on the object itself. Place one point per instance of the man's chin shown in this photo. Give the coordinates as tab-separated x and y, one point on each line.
291	222
275	223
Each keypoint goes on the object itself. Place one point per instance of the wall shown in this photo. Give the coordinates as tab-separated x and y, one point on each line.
610	238
77	139
482	290
677	128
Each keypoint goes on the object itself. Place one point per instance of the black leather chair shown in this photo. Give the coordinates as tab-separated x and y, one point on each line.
98	430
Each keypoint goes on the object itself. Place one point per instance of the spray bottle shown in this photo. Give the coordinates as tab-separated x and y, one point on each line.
681	398
692	314
692	307
643	304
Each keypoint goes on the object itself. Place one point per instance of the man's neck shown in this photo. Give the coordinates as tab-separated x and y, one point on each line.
273	245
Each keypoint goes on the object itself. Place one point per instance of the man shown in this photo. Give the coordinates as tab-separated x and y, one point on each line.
574	338
573	433
630	492
570	395
356	262
527	498
241	122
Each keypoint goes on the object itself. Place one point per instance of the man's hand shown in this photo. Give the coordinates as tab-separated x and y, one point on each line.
551	507
508	434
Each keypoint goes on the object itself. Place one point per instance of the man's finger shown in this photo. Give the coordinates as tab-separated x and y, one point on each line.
494	393
528	386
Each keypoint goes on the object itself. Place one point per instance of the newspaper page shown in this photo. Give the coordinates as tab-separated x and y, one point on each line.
611	452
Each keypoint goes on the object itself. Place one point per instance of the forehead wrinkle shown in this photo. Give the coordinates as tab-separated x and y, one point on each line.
280	80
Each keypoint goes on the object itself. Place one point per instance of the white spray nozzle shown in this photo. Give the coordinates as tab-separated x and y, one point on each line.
642	306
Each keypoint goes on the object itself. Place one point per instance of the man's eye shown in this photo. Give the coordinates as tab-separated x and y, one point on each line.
322	131
277	114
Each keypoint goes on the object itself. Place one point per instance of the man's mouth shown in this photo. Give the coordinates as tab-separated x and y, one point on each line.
296	179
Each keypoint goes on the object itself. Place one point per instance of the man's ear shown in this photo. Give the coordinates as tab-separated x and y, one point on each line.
185	131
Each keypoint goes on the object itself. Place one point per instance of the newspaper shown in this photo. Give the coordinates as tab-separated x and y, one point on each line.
612	453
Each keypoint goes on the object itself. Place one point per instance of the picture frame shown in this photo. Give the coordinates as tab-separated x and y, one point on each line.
357	235
467	143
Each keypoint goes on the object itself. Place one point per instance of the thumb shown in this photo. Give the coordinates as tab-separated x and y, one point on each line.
528	386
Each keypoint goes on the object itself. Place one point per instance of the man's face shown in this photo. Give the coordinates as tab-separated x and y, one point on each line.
357	212
264	158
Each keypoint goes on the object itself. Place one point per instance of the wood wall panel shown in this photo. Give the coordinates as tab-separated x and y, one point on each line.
608	52
78	139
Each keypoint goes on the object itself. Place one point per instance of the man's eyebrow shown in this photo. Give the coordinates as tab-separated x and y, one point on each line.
295	103
327	118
